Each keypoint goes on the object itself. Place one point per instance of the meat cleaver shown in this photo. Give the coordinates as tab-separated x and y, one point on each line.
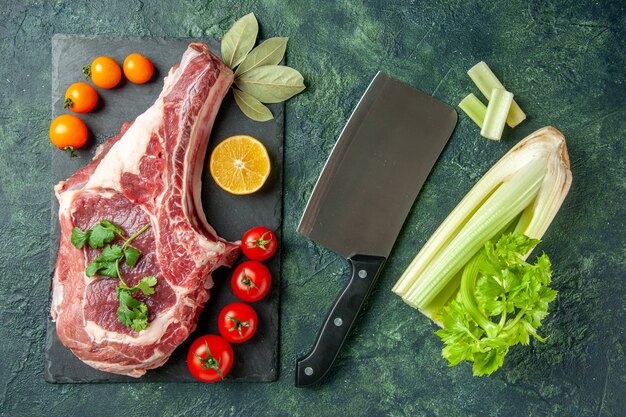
365	191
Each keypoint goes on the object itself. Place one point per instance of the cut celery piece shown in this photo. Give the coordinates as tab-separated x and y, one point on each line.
474	108
498	108
486	81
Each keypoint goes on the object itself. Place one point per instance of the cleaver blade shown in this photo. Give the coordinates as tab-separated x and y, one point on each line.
364	193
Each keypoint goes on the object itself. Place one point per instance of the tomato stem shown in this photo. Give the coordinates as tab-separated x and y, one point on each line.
68	103
247	281
71	151
209	362
261	242
87	71
239	325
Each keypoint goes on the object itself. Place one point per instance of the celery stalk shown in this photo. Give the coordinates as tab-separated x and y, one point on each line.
506	167
474	108
498	108
507	202
522	191
537	217
468	282
486	81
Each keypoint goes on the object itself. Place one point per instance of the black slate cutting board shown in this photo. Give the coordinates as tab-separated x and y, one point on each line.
255	360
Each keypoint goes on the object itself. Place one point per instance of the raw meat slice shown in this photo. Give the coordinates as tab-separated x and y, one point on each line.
150	173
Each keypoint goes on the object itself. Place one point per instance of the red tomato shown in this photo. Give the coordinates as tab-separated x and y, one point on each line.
80	98
237	322
251	281
138	69
259	243
210	358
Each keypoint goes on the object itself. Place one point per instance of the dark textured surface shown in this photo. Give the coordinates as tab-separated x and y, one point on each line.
564	61
231	216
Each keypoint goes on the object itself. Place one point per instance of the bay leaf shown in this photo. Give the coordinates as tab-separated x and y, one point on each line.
239	40
270	52
252	107
271	83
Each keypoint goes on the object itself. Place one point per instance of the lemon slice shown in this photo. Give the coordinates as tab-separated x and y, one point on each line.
240	164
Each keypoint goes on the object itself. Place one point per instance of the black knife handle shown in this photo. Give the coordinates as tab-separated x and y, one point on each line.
312	368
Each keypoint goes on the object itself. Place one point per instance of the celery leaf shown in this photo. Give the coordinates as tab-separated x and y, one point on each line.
512	298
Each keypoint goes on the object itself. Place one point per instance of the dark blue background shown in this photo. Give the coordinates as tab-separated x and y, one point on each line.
565	63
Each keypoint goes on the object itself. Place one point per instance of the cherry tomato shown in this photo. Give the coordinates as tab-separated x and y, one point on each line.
210	358
80	98
104	71
259	243
138	69
68	132
251	281
237	322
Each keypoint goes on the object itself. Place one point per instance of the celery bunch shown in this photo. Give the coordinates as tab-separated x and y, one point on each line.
521	193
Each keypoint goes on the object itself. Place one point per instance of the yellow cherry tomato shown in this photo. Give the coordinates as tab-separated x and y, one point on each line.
68	132
104	71
80	98
138	69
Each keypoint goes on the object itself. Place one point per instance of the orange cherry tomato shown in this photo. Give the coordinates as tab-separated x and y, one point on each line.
138	69
68	132
80	98
104	71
